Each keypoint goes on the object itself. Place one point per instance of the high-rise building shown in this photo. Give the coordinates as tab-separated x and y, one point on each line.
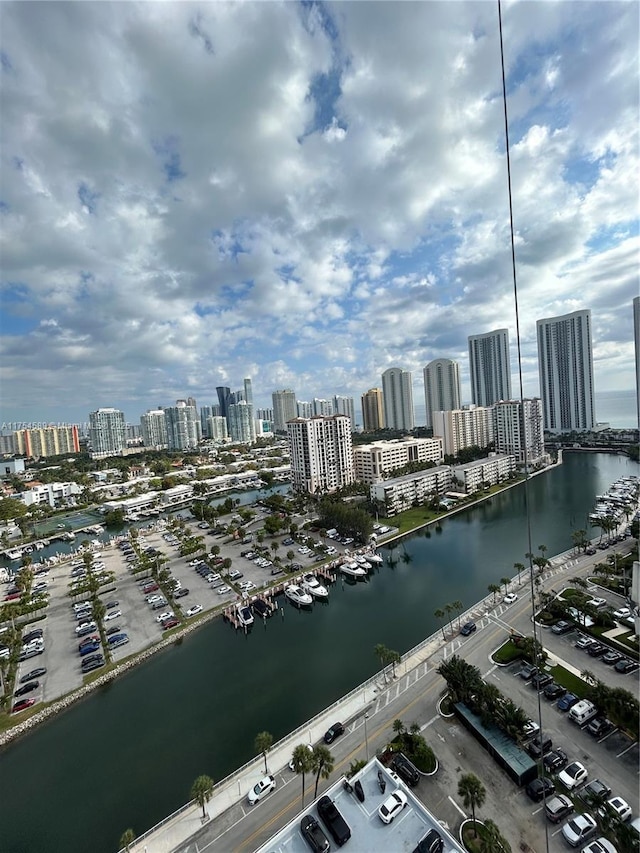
182	426
490	367
248	397
206	412
461	428
304	409
46	441
321	454
107	431
372	410
265	414
565	365
322	408
397	394
240	420
217	428
191	401
284	409
223	399
344	406
153	426
518	430
441	387
636	339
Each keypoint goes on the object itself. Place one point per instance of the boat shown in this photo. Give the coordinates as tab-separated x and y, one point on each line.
245	615
353	570
312	585
39	546
298	596
261	608
362	561
375	559
14	554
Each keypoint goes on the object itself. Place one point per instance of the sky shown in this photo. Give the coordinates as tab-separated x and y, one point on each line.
305	194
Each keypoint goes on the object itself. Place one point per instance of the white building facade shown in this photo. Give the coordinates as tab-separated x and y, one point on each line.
373	462
399	493
518	430
441	387
461	428
490	471
153	427
321	454
107	432
284	409
490	367
183	426
240	419
397	395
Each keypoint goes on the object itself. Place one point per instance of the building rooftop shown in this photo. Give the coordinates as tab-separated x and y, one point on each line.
368	832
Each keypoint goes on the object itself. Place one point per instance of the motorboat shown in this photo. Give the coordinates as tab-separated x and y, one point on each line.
312	585
375	559
362	561
14	554
261	608
353	570
245	615
298	596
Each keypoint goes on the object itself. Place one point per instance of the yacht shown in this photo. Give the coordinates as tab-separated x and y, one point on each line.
312	585
363	561
14	554
353	570
262	608
298	596
375	559
245	615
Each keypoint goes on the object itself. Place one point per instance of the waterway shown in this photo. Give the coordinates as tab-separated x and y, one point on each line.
128	755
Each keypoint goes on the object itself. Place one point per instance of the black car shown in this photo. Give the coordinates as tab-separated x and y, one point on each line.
555	760
596	649
431	843
114	630
406	770
111	604
540	789
27	688
180	593
34	634
332	733
35	673
468	628
554	691
595	792
539	746
540	680
599	727
90	664
528	671
626	665
611	657
333	820
313	834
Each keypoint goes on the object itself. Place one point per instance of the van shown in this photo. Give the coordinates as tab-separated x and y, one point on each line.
582	712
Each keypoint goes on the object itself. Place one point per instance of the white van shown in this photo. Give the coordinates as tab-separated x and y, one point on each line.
582	712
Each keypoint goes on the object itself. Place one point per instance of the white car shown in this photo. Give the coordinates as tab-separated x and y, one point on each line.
168	614
573	775
194	562
197	608
247	586
224	589
86	626
579	828
621	613
263	787
618	807
392	806
599	845
510	598
112	614
152	599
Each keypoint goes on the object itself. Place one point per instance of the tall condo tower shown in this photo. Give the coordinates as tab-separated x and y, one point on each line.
223	399
321	454
398	399
372	410
284	409
565	365
441	387
107	431
490	367
636	338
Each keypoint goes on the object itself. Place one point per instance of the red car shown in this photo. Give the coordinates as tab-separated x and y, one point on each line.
14	596
88	641
22	705
170	623
150	587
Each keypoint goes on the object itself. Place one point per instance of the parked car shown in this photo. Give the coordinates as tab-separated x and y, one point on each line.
35	673
554	691
580	828
468	628
27	688
432	842
567	701
197	608
597	603
89	648
530	729
333	820
34	634
557	808
539	746
118	640
392	806
261	789
596	649
573	775
617	807
599	845
112	614
562	627
595	792
333	732
621	613
584	642
540	680
510	597
626	665
611	657
170	623
22	705
407	771
25	654
555	760
540	789
528	671
180	593
313	834
90	665
599	727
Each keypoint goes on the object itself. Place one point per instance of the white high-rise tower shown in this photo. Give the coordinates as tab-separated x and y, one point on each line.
489	367
397	395
441	387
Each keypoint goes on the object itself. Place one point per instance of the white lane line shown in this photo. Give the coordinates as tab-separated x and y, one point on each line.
453	803
624	751
429	723
612	732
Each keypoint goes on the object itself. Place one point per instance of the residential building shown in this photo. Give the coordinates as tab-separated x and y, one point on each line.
373	462
54	494
490	367
240	421
11	467
397	393
322	408
399	493
182	426
284	409
217	427
223	399
461	428
304	408
518	430
107	432
372	410
344	406
636	340
153	426
47	441
248	398
321	453
441	387
265	414
473	476
565	365
206	412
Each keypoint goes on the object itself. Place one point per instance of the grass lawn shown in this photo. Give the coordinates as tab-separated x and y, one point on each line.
573	683
506	653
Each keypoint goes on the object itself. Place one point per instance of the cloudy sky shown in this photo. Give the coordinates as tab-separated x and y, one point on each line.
305	193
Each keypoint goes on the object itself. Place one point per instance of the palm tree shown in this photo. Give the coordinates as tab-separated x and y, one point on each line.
492	840
201	791
473	794
393	658
505	582
449	610
290	556
519	567
399	727
274	547
126	839
458	607
440	614
263	743
321	764
495	589
301	761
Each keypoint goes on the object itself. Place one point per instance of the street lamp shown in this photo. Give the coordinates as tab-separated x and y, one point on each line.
366	738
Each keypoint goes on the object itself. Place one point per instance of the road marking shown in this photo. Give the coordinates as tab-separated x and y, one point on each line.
537	811
612	732
429	722
453	803
553	834
624	751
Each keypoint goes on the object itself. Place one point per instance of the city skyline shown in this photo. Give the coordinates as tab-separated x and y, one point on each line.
282	192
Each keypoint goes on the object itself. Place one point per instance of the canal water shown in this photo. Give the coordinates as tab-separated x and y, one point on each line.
128	755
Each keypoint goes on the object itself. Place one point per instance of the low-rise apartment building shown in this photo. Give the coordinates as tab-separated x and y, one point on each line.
373	462
492	470
399	493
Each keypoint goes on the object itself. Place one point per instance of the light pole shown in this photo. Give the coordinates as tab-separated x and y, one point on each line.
366	738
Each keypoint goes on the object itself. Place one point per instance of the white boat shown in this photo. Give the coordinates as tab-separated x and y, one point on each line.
39	546
298	596
362	561
245	615
312	585
15	554
353	570
375	559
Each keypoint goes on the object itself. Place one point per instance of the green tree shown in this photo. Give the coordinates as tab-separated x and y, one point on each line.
126	840
302	763
263	743
458	607
505	582
492	840
399	727
519	567
380	651
473	794
201	792
322	764
440	614
495	589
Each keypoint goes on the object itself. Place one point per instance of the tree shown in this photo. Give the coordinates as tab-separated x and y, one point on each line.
449	610
201	792
302	763
126	839
263	743
473	794
519	567
505	582
458	607
495	589
492	840
380	651
440	614
321	764
399	727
